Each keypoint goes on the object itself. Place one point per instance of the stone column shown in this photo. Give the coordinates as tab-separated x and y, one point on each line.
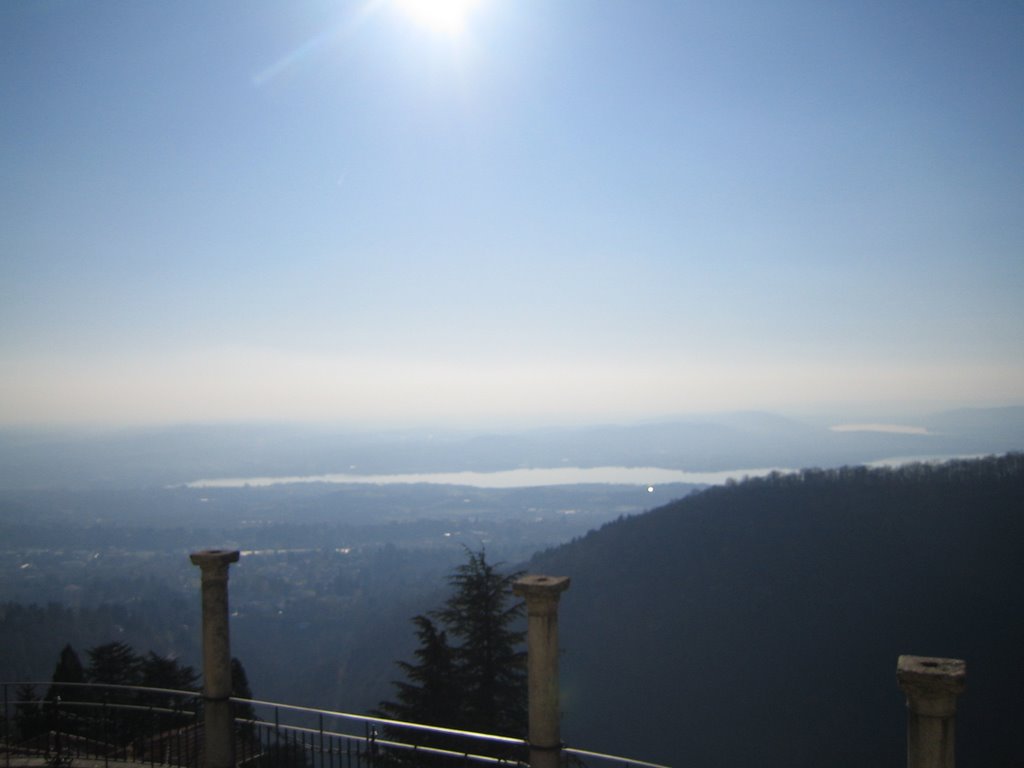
542	594
932	686
218	749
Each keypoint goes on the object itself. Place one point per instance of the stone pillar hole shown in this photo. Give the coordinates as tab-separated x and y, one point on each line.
932	686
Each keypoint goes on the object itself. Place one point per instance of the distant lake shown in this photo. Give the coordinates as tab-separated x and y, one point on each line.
510	478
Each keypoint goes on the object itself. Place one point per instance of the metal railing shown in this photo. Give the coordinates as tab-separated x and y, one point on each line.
70	724
96	722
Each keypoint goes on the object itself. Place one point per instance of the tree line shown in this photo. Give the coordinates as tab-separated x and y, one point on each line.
81	698
760	621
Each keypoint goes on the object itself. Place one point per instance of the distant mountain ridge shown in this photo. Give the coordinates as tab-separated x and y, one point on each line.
759	623
174	455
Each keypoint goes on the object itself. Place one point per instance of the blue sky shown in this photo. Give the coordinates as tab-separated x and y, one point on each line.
570	210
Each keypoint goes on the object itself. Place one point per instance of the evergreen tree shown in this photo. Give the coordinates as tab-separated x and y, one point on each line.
68	670
114	664
246	740
117	663
240	689
29	717
490	664
130	714
479	683
166	672
431	694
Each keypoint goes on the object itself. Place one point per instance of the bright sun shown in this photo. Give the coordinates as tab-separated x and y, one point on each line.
444	16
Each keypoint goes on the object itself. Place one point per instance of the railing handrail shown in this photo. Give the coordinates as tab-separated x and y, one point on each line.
370	719
335	714
388	742
120	705
613	758
184	692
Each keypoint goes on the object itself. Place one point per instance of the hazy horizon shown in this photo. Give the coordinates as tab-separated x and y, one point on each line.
502	213
887	418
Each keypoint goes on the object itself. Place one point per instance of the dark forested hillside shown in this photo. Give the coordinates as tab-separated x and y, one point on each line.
759	623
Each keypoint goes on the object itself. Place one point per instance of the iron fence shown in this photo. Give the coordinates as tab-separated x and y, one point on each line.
78	722
78	725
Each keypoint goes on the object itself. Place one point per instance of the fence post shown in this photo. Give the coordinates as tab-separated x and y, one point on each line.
58	745
7	730
106	728
217	734
542	594
932	686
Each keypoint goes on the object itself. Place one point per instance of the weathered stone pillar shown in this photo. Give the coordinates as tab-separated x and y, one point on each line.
932	686
542	594
218	751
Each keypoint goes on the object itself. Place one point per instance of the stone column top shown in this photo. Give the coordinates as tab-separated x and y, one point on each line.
924	673
207	558
535	585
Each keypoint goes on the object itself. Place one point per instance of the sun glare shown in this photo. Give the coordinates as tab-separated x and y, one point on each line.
443	16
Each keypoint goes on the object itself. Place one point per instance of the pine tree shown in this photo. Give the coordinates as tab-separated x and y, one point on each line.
240	689
117	664
430	696
166	672
490	664
68	670
114	664
29	717
479	683
129	714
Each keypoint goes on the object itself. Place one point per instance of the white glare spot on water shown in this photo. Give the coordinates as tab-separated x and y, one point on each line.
650	489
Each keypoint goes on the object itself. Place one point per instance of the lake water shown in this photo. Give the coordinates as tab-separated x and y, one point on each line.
511	478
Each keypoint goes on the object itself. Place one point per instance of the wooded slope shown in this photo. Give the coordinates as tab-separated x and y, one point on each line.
759	623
